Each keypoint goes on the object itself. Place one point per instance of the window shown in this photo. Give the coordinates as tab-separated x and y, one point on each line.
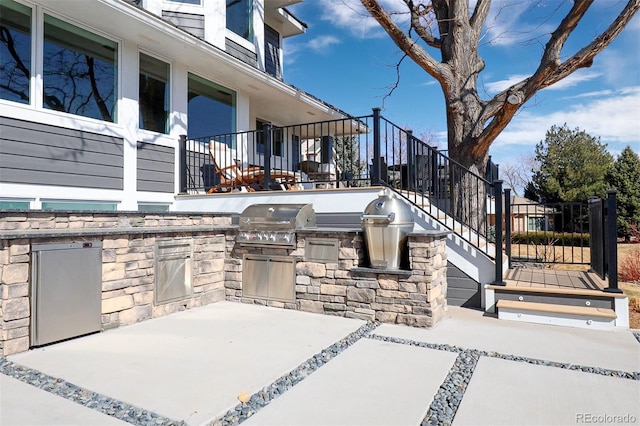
196	2
277	139
211	110
79	72
150	207
154	94
78	205
15	52
536	224
14	205
239	18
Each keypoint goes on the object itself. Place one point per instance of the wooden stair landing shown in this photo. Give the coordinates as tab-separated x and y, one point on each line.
567	298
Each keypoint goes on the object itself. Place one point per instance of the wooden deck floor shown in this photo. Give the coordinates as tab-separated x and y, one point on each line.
554	279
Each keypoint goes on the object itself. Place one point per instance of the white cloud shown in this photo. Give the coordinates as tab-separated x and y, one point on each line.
350	15
572	80
614	118
500	85
319	44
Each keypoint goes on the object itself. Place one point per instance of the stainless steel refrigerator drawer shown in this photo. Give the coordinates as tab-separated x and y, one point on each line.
66	291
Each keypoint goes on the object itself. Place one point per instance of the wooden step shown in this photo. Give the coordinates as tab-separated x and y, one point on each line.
565	315
511	287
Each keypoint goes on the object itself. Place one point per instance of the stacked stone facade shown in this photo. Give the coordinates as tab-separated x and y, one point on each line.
128	264
413	296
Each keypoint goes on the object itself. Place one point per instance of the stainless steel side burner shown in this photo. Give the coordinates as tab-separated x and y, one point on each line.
274	224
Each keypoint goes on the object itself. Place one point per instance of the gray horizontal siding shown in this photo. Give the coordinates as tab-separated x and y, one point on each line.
40	154
462	290
155	168
190	22
241	53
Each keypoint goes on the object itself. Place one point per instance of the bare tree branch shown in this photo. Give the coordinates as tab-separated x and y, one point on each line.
405	43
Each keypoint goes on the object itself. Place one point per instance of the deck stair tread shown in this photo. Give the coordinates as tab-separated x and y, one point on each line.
512	288
556	309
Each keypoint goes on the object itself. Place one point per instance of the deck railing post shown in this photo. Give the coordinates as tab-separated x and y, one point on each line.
409	175
267	137
497	189
182	164
376	160
611	241
507	225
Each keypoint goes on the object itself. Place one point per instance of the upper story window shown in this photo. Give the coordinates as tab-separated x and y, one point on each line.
211	110
80	71
240	18
15	52
154	94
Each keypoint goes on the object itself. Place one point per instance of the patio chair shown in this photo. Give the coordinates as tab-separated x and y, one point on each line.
232	176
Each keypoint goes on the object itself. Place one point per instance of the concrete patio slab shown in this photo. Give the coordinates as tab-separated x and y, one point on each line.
44	408
471	329
191	365
372	383
503	392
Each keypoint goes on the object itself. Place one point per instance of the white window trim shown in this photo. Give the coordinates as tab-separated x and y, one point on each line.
39	67
241	40
171	100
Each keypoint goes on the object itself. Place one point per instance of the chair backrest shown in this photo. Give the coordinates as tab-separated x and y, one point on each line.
223	159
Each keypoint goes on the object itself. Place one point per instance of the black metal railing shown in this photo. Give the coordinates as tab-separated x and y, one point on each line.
548	233
604	239
356	151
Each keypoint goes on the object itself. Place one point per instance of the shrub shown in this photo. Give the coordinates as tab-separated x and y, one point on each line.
543	238
629	268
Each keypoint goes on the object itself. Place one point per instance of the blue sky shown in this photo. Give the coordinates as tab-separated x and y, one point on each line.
346	59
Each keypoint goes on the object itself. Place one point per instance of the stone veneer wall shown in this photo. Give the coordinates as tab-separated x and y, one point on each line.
415	297
128	250
347	287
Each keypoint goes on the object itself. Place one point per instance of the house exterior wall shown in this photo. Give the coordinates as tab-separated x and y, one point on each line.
40	154
120	175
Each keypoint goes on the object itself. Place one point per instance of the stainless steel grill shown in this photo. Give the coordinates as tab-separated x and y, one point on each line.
274	224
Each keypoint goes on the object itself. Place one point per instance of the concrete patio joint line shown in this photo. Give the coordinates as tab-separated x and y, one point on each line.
267	394
631	375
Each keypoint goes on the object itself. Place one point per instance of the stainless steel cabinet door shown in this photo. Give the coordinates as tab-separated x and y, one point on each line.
66	289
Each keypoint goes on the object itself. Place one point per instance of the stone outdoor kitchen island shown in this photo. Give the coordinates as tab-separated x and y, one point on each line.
344	286
135	286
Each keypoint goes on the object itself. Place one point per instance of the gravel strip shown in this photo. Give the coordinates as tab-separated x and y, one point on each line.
447	400
262	398
95	401
632	375
445	403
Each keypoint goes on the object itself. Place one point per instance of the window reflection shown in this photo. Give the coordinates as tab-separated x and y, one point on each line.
211	110
79	71
239	16
15	52
154	94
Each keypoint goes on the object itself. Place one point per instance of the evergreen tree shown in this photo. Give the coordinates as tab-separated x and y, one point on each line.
624	176
347	151
571	166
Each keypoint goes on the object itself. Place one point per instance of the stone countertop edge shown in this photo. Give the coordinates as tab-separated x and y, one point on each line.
329	230
430	233
367	270
93	232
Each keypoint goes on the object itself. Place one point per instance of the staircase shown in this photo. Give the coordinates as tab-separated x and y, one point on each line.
559	304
